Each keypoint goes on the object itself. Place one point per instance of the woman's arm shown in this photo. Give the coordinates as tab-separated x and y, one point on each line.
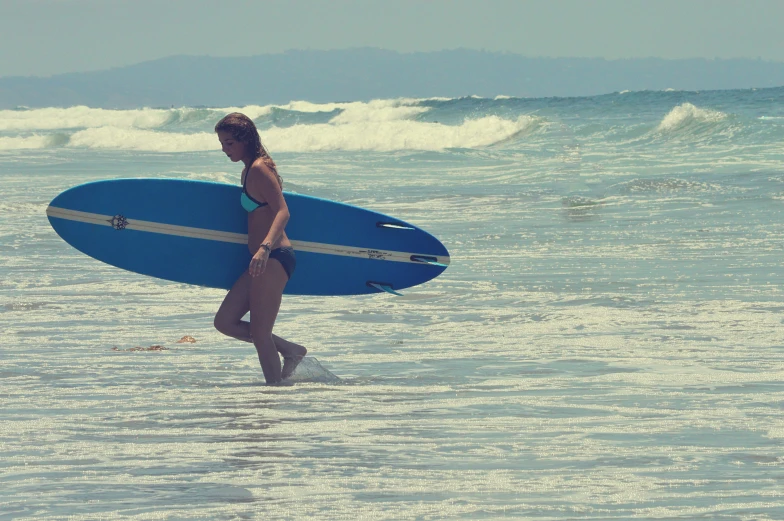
265	183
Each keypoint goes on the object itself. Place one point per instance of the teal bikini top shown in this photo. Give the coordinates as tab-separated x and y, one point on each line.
246	200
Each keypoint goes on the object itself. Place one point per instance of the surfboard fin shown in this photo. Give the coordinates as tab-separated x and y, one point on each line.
384	287
394	226
433	261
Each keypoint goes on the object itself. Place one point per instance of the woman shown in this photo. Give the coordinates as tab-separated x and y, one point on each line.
260	288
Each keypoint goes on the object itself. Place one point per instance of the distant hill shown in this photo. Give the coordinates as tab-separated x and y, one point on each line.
364	74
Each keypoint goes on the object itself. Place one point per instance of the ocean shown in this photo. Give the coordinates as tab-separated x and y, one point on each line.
606	343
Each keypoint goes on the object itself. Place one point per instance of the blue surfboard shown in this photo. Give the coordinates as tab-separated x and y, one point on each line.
195	232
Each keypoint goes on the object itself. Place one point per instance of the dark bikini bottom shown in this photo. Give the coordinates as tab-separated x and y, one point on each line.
286	257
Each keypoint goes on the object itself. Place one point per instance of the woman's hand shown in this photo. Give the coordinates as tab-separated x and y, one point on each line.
259	261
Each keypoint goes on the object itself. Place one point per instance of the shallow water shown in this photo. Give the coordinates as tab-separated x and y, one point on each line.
604	345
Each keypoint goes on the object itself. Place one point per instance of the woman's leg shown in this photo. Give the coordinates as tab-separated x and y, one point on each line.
229	321
236	304
266	291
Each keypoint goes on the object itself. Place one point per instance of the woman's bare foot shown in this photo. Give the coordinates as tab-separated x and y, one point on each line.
290	363
292	355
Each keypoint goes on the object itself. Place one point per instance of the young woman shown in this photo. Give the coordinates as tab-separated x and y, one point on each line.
260	288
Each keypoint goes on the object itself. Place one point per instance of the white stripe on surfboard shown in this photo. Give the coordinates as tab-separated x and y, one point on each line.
238	238
148	226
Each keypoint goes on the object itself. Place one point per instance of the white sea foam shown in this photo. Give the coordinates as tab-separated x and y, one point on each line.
86	117
114	138
686	114
392	135
252	111
376	112
353	112
310	107
25	143
355	132
81	117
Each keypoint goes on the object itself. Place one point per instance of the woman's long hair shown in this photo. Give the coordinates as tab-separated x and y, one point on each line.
242	128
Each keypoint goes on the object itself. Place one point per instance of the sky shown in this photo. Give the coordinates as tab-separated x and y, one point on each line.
47	37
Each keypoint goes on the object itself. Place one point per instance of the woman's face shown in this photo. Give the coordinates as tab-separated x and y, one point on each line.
231	147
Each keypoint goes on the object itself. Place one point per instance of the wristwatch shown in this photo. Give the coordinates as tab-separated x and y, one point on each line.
266	246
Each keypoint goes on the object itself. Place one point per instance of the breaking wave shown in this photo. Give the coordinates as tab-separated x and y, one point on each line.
384	125
397	135
687	116
378	136
299	126
33	142
80	117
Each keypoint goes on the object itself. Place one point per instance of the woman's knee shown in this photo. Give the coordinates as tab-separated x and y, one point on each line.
218	324
221	324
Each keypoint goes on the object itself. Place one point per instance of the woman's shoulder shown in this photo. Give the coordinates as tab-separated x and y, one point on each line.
259	166
260	174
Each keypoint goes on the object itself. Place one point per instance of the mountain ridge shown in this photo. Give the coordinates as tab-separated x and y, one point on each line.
368	73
